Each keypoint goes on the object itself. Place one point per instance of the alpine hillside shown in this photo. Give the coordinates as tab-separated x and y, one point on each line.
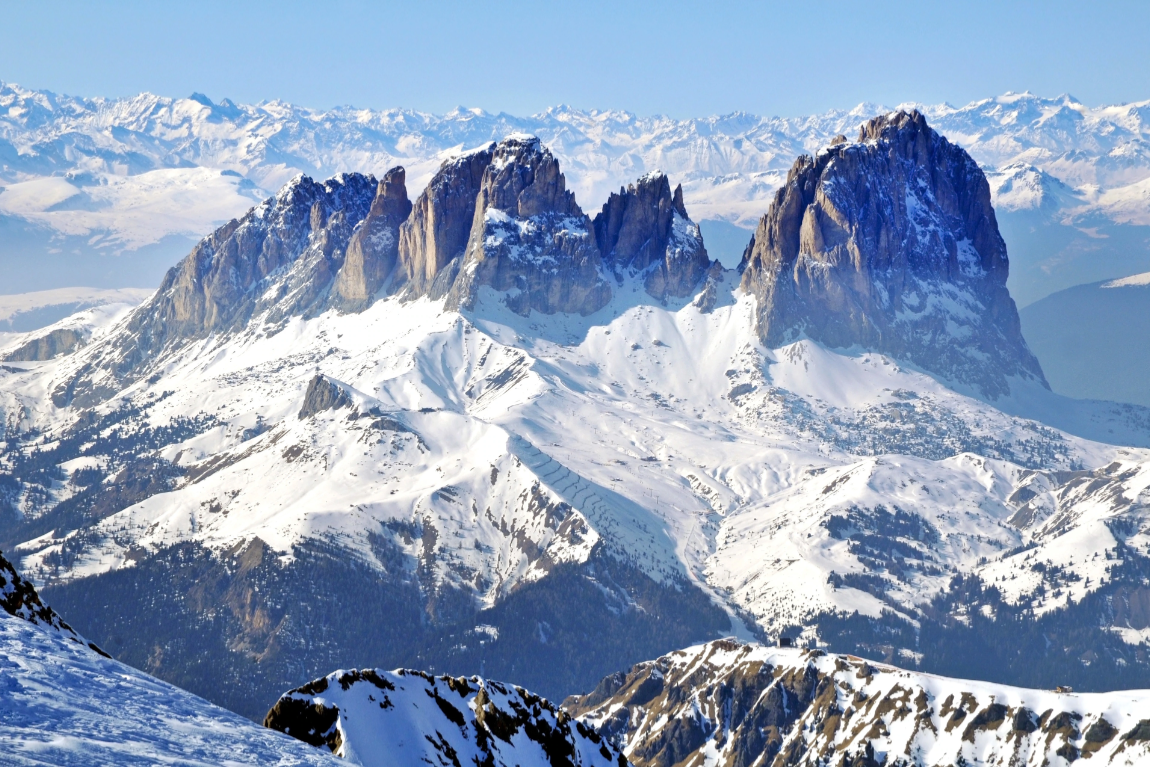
480	430
374	717
739	704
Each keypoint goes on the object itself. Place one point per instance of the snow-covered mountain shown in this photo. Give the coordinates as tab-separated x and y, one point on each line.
141	175
64	702
374	717
500	435
738	704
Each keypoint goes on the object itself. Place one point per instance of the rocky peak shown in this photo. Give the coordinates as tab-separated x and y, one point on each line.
890	243
529	239
524	181
439	226
645	228
378	717
373	250
278	261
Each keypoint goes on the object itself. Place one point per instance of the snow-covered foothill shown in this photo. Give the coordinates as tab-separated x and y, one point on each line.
405	718
726	702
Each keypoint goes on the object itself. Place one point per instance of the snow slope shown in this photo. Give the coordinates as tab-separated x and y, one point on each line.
63	703
666	435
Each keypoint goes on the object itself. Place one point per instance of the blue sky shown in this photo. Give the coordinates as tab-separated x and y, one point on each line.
675	58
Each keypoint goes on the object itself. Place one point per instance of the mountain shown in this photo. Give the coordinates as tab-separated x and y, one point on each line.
65	702
145	177
1089	339
740	704
900	272
375	717
551	445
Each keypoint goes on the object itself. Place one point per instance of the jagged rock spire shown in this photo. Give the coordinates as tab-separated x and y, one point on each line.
439	227
890	243
529	237
645	228
373	250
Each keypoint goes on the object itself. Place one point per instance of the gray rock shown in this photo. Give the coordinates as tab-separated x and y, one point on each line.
53	344
891	244
323	394
644	229
278	261
373	250
529	238
437	231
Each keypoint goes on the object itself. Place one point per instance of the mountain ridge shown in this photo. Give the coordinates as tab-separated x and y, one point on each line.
562	473
729	166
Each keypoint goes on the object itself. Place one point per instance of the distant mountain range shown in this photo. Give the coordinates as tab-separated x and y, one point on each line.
145	177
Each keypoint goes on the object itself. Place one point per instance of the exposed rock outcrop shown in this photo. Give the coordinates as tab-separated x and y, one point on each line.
437	231
645	229
278	261
19	599
890	243
407	718
323	394
737	705
529	238
373	250
500	217
53	344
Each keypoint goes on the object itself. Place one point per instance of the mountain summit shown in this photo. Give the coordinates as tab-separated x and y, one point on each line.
500	218
890	243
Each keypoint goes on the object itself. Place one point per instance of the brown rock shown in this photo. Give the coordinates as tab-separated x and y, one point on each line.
439	226
529	238
373	250
891	244
645	229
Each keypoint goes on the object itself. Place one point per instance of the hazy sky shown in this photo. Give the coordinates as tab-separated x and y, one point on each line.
675	58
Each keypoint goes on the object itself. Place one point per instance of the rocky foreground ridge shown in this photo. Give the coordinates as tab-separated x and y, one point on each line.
18	598
408	718
890	243
735	705
65	702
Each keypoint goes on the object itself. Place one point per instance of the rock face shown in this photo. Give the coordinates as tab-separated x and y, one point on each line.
53	344
500	217
890	243
645	229
737	705
529	238
373	250
18	598
440	224
280	260
323	394
410	719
